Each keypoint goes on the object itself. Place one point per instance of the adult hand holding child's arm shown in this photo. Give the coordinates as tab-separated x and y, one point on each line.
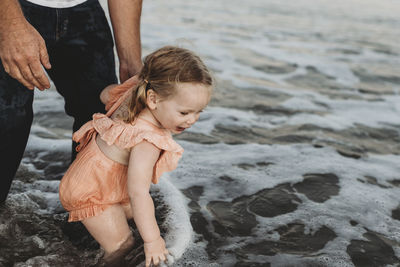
140	172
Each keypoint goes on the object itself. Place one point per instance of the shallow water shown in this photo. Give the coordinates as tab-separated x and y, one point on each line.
295	163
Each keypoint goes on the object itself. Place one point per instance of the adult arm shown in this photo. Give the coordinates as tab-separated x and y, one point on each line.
125	19
140	171
22	49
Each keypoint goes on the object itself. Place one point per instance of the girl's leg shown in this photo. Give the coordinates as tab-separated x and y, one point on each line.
110	229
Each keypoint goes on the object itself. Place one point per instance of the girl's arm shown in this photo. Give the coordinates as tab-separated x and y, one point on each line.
104	96
142	159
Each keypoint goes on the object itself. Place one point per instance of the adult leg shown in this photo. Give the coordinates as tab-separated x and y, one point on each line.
15	122
111	230
16	105
82	60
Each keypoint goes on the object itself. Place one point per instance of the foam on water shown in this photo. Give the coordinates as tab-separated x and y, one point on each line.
367	204
180	230
285	49
346	113
221	51
45	144
48	101
336	114
225	116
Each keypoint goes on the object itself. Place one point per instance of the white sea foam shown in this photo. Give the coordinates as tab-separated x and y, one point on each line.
48	101
177	221
335	114
346	113
367	204
44	144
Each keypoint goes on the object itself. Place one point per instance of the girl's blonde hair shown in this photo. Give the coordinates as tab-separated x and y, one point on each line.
162	70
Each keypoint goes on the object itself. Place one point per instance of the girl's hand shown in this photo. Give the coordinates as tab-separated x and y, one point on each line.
155	251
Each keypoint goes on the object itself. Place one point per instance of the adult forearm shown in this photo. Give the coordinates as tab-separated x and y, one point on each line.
10	15
144	216
125	19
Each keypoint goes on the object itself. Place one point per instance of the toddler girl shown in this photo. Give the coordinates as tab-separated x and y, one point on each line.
122	152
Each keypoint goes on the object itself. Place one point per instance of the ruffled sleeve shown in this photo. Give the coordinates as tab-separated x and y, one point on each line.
126	136
118	91
83	135
167	162
170	154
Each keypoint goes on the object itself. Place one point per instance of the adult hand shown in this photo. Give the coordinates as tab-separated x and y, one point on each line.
155	251
23	52
128	69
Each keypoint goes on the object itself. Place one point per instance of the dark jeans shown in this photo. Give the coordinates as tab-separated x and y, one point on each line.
80	47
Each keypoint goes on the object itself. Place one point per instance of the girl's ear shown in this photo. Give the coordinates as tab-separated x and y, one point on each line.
151	99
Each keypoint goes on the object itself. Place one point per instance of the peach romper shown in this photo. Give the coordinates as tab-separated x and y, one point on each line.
94	182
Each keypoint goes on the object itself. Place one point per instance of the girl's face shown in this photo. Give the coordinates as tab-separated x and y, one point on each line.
181	110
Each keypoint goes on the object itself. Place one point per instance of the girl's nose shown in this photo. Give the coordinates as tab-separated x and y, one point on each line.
192	119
